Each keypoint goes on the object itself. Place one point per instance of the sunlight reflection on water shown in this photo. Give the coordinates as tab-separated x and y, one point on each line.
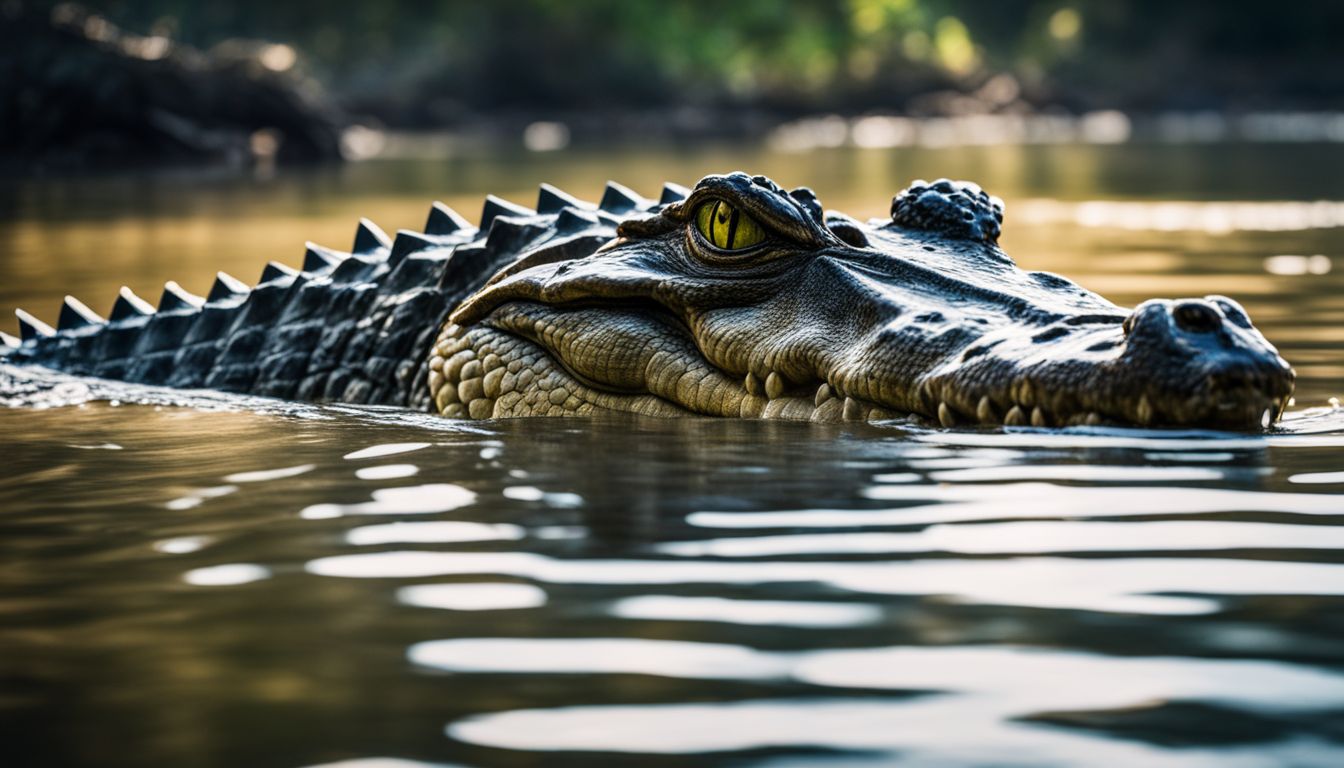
1133	586
319	583
990	689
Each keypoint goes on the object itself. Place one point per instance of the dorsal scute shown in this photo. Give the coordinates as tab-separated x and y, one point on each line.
32	328
369	237
175	298
957	209
274	270
129	305
553	200
406	243
444	220
620	199
76	314
495	207
317	258
673	193
572	220
226	286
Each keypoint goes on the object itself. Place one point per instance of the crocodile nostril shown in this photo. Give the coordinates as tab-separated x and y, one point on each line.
1196	317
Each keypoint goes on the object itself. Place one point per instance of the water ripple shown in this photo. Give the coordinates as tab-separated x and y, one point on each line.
1154	586
988	692
1026	538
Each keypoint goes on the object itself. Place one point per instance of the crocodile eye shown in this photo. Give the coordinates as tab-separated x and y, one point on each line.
726	227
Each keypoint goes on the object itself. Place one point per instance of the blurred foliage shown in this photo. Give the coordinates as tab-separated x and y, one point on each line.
434	60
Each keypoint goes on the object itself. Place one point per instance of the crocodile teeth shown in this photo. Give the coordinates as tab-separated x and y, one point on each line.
985	411
1015	417
1144	411
1024	394
1038	418
824	393
1093	419
774	386
831	410
853	411
753	385
945	416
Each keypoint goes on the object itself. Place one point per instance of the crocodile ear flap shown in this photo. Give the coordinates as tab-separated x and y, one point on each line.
847	229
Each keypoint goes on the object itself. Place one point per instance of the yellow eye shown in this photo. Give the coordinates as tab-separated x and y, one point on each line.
726	227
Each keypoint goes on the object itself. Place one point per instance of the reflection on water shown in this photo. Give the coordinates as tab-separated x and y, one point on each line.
191	578
765	592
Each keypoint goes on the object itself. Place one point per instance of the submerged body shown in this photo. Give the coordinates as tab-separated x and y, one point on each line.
736	299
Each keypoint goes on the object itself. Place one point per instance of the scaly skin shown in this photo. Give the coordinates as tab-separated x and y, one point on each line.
778	310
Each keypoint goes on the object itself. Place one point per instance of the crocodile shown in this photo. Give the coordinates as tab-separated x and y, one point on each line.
735	298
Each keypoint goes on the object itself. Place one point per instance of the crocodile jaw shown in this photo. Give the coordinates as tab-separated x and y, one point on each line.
829	318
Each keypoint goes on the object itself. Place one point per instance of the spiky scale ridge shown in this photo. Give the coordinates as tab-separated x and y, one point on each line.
75	314
444	220
553	200
355	331
175	298
369	237
572	220
620	199
495	207
129	305
406	243
31	328
673	193
610	219
226	286
274	270
316	258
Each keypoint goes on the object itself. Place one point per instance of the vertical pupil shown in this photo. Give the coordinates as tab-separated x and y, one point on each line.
724	225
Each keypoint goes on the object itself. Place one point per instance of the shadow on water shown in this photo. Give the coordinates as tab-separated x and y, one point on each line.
191	578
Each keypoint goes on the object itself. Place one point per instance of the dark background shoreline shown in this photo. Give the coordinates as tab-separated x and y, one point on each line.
166	82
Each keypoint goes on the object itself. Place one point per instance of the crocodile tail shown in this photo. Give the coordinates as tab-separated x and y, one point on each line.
348	326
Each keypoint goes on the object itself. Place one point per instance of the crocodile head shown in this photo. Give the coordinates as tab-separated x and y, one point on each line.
747	300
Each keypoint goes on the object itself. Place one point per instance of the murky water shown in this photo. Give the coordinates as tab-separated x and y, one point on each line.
210	580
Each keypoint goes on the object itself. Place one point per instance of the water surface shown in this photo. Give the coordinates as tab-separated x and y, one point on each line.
200	579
